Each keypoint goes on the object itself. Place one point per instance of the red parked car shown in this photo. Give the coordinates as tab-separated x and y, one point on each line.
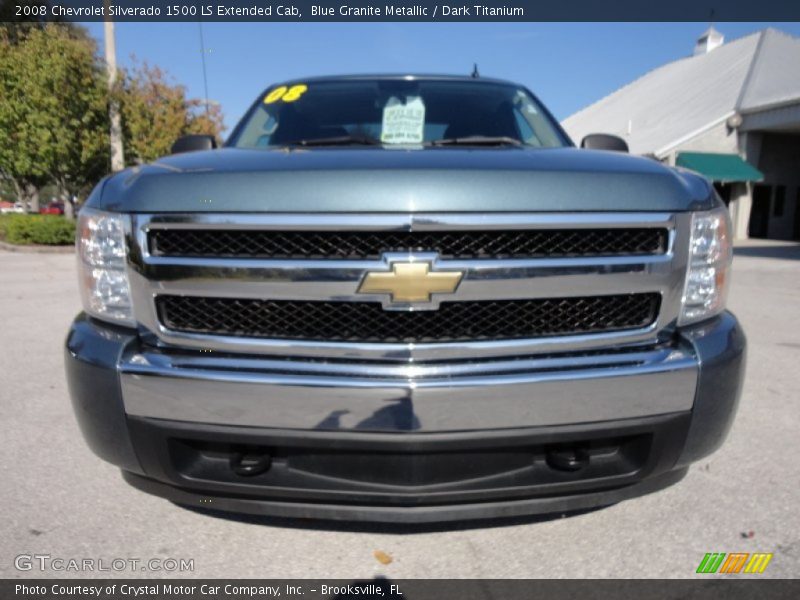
52	208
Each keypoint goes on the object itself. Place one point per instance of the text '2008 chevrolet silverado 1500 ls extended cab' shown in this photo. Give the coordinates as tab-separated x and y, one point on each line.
403	299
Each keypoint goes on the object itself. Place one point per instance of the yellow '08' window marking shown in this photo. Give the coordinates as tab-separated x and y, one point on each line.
287	94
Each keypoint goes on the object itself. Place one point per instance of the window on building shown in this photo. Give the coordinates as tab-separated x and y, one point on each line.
797	216
724	191
759	213
780	200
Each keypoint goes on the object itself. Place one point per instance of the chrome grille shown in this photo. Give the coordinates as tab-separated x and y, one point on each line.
492	244
507	304
368	322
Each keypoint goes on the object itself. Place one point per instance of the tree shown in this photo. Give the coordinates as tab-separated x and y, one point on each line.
206	120
54	124
156	112
53	120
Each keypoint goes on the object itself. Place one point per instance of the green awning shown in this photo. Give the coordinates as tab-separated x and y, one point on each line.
719	167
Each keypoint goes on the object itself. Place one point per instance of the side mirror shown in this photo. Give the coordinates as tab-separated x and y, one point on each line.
193	143
604	141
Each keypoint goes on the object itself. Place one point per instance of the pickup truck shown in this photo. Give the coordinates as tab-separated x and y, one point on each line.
403	299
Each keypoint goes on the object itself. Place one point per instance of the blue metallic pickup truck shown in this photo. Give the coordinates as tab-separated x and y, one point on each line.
405	299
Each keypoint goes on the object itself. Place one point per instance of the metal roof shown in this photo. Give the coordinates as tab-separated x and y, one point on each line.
687	96
775	76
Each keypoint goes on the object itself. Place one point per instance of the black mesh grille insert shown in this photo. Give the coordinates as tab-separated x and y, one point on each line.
368	322
522	243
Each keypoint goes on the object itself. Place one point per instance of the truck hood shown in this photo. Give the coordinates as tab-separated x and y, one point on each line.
402	180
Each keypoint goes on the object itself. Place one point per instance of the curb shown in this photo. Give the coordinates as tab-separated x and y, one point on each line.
36	249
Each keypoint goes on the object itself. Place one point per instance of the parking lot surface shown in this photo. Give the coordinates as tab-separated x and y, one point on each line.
60	500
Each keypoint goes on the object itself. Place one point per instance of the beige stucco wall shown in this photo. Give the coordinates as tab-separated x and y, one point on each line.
719	139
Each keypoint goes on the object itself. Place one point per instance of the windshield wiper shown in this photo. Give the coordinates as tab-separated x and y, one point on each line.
478	140
340	140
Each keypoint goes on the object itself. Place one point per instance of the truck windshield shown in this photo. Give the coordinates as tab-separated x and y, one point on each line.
402	112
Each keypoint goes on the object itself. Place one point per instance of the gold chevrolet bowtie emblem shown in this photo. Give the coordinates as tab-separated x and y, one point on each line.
410	282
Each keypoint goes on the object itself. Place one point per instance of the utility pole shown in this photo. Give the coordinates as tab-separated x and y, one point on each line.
115	133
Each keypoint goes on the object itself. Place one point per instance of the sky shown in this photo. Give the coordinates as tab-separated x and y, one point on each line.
567	65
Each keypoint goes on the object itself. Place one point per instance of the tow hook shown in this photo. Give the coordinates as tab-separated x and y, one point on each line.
249	464
568	459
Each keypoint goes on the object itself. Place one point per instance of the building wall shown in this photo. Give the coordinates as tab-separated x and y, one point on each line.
722	140
777	156
719	139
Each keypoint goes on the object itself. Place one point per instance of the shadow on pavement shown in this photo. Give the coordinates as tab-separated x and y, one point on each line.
785	251
387	528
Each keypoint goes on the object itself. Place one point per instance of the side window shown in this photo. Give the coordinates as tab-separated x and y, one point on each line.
780	199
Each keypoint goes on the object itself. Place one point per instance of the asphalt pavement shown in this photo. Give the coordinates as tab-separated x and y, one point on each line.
60	500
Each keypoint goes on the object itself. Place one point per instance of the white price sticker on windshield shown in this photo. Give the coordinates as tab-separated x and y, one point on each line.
403	123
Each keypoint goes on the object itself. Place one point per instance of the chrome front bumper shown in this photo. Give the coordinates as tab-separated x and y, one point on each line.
406	443
461	396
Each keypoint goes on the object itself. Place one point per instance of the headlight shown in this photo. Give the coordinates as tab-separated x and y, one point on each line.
104	284
708	273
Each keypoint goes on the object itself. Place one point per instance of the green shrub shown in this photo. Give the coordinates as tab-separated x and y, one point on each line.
48	230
